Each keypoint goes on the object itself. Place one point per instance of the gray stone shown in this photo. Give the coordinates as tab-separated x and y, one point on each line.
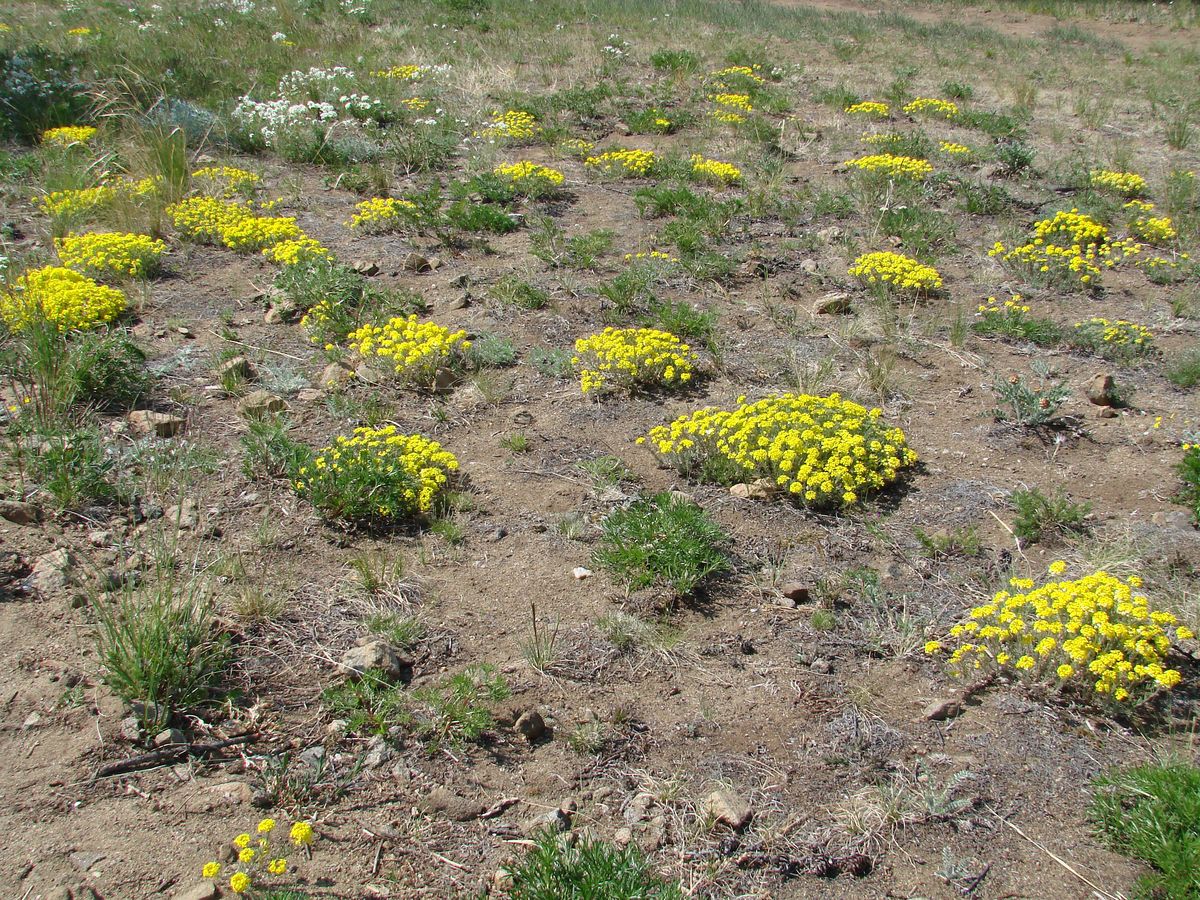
808	266
444	802
378	753
530	725
833	305
821	666
444	380
237	367
1101	390
556	821
185	515
760	489
20	513
368	373
148	422
260	403
379	656
336	374
365	267
206	890
727	808
131	729
796	591
942	709
415	262
169	736
53	572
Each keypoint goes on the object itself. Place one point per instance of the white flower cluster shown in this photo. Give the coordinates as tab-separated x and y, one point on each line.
316	98
616	48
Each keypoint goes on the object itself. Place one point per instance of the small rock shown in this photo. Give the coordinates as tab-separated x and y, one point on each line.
623	836
365	267
55	571
821	666
727	808
131	729
444	380
760	489
1175	519
169	736
462	301
808	266
313	757
832	233
32	720
147	422
336	374
377	656
783	602
833	305
309	395
85	860
502	883
498	535
1101	390
581	572
940	710
462	281
556	821
185	515
415	262
237	367
378	753
795	590
20	513
1106	412
100	537
444	802
368	373
530	725
260	403
204	891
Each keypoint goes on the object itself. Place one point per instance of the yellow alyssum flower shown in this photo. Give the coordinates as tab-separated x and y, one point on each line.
301	834
627	358
1128	184
817	450
895	271
382	214
211	870
415	349
893	166
235	225
932	106
297	251
62	297
277	866
226	181
714	170
953	149
77	204
239	883
530	178
871	108
266	826
67	135
111	255
635	163
511	126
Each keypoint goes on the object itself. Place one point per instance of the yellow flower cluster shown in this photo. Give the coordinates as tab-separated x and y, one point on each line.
376	474
749	73
111	255
821	451
77	204
896	271
512	126
226	181
258	856
530	178
634	163
953	149
1154	229
714	170
654	256
731	107
576	147
1011	306
62	297
403	73
1093	630
416	349
1072	246
881	138
415	104
892	166
931	106
215	221
296	251
1128	184
82	31
870	108
382	214
626	358
68	135
1122	337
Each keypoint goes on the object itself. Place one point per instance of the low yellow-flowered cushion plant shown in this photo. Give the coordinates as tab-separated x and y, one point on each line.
380	215
510	127
415	349
869	108
1127	184
714	171
896	272
111	255
819	451
932	106
625	358
68	135
62	297
1097	632
1070	249
257	861
225	181
530	179
376	474
633	163
233	224
892	166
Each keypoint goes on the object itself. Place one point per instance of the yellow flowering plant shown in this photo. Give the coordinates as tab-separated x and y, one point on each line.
1068	250
819	451
1117	340
376	475
511	127
931	106
62	297
895	273
892	166
258	861
623	163
714	171
950	148
1127	184
416	350
225	182
68	136
297	251
871	109
530	179
69	208
631	358
381	215
211	220
111	255
731	108
576	147
1096	633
